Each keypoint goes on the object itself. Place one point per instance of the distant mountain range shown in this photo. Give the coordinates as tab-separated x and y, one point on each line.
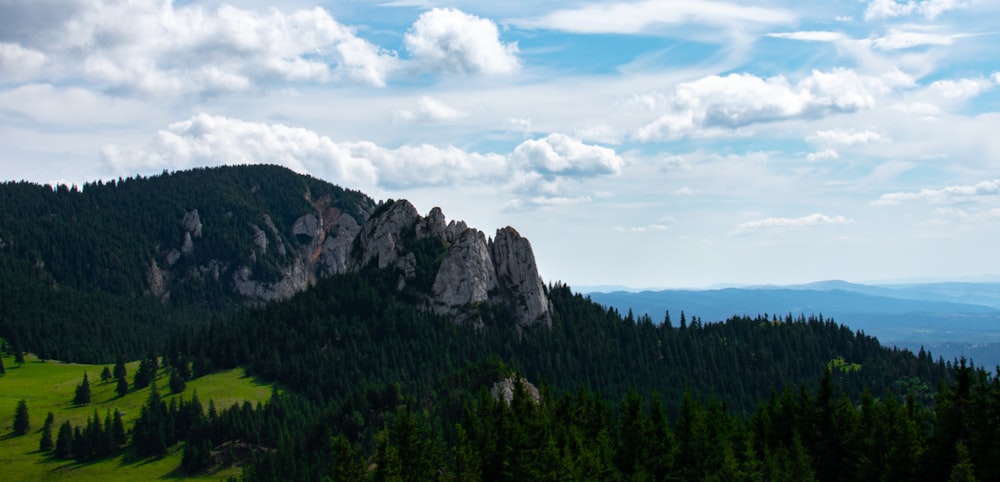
951	319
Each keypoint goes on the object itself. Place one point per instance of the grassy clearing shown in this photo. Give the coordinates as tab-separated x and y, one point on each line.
49	387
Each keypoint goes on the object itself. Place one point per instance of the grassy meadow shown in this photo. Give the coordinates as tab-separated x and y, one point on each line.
49	386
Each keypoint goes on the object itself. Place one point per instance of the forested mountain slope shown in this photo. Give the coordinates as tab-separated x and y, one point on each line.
386	329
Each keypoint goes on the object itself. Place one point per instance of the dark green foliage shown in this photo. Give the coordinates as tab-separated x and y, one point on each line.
82	394
106	375
22	420
3	369
46	443
89	251
19	357
177	382
64	441
121	386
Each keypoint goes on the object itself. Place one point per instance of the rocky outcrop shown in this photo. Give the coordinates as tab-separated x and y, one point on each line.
295	278
471	271
504	390
192	223
381	238
466	276
518	277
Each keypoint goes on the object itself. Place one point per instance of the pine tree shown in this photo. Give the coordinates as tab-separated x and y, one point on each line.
82	396
2	369
19	357
22	421
120	371
106	375
117	430
177	383
46	443
122	386
963	470
64	441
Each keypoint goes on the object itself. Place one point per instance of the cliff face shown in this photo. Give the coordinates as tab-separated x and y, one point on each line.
474	269
471	269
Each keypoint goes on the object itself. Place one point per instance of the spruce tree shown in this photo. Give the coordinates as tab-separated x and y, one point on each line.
2	369
120	371
106	375
19	357
122	386
82	396
64	441
22	421
46	443
117	430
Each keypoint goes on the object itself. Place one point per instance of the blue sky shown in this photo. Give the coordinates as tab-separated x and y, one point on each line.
673	143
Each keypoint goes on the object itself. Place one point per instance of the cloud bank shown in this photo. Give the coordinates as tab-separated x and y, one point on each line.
545	170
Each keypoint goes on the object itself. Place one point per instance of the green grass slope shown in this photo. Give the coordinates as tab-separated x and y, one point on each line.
49	387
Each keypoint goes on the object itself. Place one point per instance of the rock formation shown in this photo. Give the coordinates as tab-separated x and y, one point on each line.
473	270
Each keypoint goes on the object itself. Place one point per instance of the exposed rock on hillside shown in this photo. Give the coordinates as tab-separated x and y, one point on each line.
504	390
466	275
455	268
518	275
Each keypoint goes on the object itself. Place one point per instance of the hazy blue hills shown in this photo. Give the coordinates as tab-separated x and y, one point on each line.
950	319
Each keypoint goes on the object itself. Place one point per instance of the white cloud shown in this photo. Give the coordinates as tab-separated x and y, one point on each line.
822	155
18	63
651	16
449	40
206	140
542	172
651	228
153	47
738	100
560	154
897	39
961	88
929	9
430	109
845	137
946	195
810	36
815	219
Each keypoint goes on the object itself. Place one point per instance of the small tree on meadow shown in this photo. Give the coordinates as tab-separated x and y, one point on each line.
22	421
106	375
47	443
82	396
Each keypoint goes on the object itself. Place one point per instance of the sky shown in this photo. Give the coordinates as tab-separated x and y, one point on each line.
666	143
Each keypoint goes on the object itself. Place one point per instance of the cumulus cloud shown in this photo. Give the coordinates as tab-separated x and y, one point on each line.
206	140
815	219
739	100
18	63
650	16
930	9
845	137
946	195
541	172
960	88
449	40
560	154
153	47
429	109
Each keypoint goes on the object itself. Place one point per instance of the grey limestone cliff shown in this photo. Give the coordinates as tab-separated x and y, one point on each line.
470	269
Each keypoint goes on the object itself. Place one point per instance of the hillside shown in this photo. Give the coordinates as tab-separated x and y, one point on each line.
49	386
949	319
389	328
